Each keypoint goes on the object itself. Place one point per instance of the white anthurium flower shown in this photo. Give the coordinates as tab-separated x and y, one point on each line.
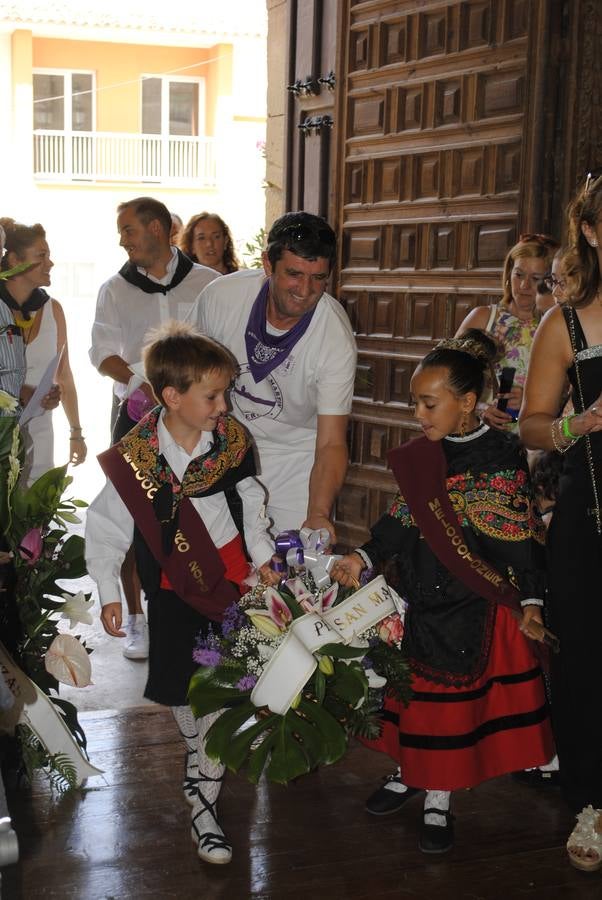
67	660
77	609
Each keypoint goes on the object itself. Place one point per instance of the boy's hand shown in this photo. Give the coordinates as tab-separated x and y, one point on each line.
267	575
110	616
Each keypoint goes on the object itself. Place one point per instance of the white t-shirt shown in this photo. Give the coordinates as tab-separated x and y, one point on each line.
125	313
281	410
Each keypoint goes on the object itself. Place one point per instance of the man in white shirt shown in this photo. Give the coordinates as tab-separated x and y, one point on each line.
297	357
158	283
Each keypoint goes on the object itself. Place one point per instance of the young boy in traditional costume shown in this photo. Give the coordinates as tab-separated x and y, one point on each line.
165	490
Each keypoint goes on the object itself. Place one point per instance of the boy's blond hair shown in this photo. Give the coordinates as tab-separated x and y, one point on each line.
177	355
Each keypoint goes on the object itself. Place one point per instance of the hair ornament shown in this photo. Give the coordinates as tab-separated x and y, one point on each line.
465	345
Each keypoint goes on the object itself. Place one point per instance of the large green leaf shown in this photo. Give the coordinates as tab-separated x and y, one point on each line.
349	683
331	731
238	749
259	756
288	759
209	698
223	729
342	651
308	734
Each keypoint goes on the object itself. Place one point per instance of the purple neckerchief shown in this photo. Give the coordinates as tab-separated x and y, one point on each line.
267	351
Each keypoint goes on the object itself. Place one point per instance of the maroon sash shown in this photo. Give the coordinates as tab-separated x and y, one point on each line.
420	469
194	567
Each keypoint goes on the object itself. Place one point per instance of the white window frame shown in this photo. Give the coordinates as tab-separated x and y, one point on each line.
166	80
68	92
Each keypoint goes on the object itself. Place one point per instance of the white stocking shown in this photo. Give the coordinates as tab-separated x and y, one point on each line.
213	846
187	724
436	800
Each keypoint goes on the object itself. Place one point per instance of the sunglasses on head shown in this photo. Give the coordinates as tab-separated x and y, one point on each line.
592	177
533	237
297	232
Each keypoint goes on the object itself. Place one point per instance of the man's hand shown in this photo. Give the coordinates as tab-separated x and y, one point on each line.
110	616
52	398
316	522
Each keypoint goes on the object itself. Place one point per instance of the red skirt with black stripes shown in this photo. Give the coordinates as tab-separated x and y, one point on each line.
450	738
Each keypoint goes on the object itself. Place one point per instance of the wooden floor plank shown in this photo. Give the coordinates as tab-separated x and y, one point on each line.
127	834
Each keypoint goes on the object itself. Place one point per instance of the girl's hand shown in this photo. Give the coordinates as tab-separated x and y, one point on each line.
532	622
589	420
348	569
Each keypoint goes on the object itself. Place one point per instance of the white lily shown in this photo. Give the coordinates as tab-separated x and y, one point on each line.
7	401
77	609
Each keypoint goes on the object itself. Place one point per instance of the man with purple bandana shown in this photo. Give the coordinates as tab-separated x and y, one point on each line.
297	357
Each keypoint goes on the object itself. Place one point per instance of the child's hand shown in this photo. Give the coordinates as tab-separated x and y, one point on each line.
267	575
347	570
110	616
531	622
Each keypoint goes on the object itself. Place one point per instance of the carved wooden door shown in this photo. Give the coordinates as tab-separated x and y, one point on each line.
310	114
438	145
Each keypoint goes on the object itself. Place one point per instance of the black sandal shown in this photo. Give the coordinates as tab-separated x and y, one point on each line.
437	838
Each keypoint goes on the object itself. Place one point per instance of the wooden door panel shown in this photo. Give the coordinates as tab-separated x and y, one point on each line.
430	158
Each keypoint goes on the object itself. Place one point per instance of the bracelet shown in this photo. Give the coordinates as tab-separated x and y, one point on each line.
79	437
77	430
559	439
566	428
532	601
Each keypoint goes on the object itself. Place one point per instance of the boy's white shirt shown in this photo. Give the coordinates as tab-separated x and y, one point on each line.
110	526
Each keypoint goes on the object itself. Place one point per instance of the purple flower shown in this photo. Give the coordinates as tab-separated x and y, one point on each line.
233	619
246	683
206	657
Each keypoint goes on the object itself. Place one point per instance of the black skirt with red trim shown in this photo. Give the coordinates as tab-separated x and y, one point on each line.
451	737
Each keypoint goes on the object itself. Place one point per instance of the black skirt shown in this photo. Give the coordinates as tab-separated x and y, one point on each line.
173	629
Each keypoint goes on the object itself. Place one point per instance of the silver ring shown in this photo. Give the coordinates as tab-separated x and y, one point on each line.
594	409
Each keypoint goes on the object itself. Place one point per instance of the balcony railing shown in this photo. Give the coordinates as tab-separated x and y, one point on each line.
107	156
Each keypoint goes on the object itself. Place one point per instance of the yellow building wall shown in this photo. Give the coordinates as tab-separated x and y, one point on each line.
118	68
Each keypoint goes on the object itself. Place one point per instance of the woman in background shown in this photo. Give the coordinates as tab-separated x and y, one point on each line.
569	343
207	240
513	320
42	323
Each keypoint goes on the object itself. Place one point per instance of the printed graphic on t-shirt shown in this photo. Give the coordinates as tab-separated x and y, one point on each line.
254	400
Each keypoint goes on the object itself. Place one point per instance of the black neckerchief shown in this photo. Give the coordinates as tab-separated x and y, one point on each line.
130	272
34	302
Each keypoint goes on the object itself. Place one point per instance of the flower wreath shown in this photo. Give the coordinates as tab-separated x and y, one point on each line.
297	671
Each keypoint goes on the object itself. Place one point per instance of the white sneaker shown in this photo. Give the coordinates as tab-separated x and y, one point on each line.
136	642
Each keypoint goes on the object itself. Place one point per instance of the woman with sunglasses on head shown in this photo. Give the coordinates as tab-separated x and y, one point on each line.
569	343
513	320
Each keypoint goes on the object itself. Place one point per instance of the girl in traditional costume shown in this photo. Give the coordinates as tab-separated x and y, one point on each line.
461	531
